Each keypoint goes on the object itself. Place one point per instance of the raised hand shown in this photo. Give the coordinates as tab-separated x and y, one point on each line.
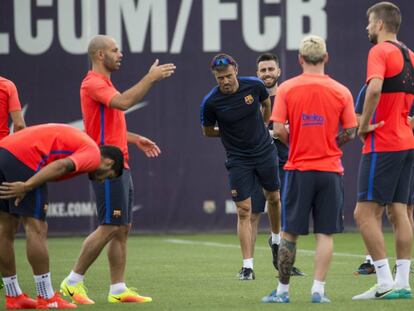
149	147
159	72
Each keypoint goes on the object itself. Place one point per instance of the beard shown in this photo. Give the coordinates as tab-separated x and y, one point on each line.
110	64
373	38
271	84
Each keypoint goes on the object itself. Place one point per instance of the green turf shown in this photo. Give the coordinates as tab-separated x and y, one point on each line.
197	272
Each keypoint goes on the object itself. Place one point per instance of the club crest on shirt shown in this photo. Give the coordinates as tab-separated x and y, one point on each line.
249	99
116	213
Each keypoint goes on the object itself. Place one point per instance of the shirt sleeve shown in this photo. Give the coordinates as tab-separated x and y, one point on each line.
101	91
348	117
86	160
279	112
376	65
14	102
207	115
263	93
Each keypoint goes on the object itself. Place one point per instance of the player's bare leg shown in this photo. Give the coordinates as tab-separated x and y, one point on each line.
273	209
8	228
366	218
254	222
244	228
117	252
36	244
93	246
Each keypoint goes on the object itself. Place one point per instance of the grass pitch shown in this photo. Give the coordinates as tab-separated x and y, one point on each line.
197	272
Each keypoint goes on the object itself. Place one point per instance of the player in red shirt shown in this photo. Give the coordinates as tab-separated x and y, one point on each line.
9	104
314	105
103	115
29	159
386	163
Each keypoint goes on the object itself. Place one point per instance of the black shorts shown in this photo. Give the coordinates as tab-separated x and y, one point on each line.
312	192
385	177
35	202
114	199
411	194
258	199
245	173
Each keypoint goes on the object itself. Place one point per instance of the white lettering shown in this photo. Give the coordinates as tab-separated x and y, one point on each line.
136	21
72	209
213	13
272	27
28	43
4	43
296	11
66	25
181	27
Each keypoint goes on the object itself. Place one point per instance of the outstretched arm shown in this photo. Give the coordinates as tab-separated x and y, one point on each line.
52	171
132	96
147	146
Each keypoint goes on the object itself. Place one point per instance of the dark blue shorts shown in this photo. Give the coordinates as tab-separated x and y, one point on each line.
244	173
411	195
258	199
320	194
385	177
35	202
114	199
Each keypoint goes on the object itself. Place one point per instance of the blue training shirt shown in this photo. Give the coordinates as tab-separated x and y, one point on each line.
239	118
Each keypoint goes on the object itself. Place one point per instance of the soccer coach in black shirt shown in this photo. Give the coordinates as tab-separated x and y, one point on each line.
238	110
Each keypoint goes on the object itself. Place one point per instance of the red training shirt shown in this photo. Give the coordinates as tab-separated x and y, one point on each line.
37	146
9	101
314	106
386	60
106	126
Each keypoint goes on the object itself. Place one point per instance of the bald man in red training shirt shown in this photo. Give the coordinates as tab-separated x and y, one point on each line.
314	105
29	159
103	109
387	158
9	104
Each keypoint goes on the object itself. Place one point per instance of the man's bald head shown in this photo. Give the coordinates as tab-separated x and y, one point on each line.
99	42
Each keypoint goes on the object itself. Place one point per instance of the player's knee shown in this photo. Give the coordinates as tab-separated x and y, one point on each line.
243	211
273	198
357	216
35	228
390	217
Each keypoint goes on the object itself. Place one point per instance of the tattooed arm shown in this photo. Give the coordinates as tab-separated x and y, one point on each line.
345	136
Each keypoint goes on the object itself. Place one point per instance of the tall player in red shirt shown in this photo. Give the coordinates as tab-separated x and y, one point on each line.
103	115
29	159
314	105
9	104
387	156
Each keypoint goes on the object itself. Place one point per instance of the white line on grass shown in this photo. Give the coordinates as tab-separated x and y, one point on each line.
215	244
